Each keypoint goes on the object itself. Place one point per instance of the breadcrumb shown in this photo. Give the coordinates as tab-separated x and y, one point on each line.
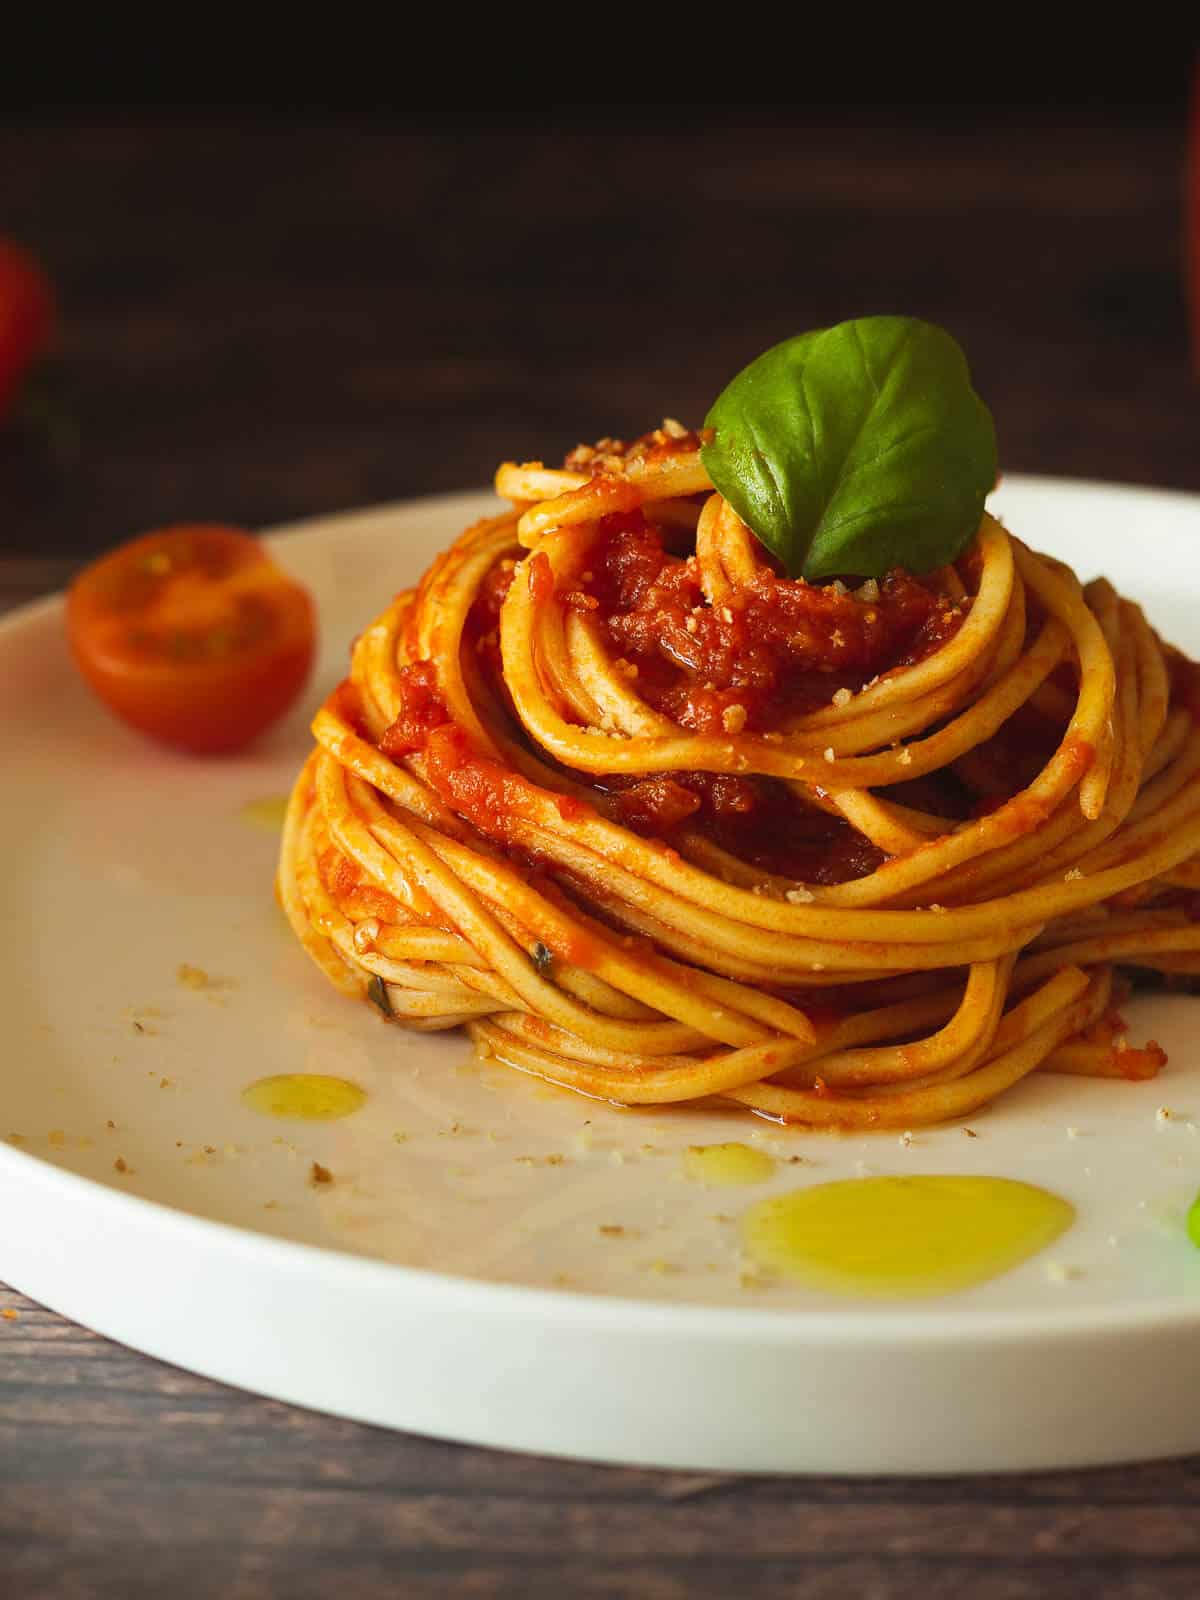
1060	1272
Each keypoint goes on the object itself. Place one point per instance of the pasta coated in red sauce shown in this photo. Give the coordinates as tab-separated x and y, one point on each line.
777	648
754	806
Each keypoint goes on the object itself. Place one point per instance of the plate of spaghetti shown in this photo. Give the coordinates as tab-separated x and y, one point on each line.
746	1021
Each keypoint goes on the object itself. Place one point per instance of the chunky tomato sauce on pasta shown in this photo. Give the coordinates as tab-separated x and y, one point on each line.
776	649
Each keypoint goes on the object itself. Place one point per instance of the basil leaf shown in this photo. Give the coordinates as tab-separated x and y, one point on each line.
854	449
377	994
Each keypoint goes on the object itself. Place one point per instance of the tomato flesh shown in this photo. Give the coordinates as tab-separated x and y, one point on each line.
193	635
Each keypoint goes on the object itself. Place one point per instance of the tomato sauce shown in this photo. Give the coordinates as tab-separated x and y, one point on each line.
778	833
780	647
758	820
422	709
483	791
485	610
349	886
1012	758
1139	1065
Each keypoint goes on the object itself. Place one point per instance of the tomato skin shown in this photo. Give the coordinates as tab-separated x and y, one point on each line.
27	317
192	635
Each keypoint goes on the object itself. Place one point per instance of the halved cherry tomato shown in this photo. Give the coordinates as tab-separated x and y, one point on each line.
193	635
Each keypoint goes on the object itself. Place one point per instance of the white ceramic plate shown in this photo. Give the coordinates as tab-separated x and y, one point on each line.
453	1278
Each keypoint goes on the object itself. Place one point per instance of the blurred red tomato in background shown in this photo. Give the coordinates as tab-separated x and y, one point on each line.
27	318
1191	201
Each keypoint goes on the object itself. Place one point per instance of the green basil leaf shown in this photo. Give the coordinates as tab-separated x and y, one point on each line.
377	994
855	449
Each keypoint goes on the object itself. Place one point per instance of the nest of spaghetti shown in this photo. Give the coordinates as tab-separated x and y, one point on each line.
659	824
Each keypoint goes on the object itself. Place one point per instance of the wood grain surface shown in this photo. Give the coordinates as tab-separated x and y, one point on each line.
269	321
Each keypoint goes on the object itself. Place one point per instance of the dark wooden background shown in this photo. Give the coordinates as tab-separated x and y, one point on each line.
271	318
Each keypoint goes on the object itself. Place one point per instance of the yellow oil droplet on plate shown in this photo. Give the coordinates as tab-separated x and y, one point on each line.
727	1165
267	813
307	1096
902	1237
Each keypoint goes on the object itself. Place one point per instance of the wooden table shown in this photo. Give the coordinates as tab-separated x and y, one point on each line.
269	321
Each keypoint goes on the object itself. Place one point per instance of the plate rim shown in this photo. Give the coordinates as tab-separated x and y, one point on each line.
932	1321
